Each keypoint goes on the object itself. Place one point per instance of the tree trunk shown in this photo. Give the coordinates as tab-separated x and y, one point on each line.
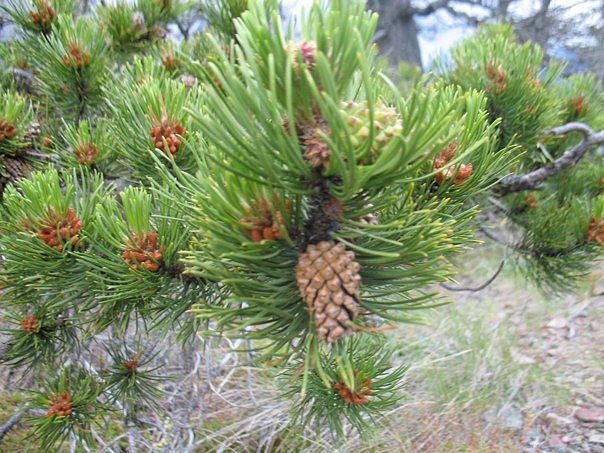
397	35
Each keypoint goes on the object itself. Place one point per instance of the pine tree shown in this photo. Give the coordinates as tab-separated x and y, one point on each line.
257	184
555	200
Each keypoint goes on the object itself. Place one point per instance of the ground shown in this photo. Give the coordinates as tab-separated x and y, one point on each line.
501	370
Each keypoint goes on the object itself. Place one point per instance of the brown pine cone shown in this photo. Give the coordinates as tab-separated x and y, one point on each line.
329	280
12	169
32	133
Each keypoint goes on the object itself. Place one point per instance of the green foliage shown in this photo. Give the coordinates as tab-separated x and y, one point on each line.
46	223
36	336
243	147
73	67
77	391
133	378
331	394
138	109
531	98
37	17
87	144
15	117
220	16
519	89
139	26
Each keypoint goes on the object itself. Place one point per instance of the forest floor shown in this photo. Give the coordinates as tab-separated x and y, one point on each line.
506	369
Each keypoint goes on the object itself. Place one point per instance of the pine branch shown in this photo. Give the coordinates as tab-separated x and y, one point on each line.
532	180
478	288
12	422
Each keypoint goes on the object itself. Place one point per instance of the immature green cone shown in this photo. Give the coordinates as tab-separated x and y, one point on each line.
329	280
386	123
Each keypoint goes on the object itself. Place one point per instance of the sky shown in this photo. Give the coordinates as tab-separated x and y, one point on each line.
439	32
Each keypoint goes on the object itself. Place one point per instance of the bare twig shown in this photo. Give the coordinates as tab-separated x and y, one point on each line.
532	180
494	237
13	421
476	288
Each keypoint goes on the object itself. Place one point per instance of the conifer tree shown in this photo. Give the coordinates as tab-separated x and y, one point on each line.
555	198
254	182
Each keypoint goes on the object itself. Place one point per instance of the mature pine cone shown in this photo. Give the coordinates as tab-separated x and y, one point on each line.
329	280
32	134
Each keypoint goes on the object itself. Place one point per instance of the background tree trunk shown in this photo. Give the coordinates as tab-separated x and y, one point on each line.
398	32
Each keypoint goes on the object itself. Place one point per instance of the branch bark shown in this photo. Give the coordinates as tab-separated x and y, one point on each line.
533	179
11	423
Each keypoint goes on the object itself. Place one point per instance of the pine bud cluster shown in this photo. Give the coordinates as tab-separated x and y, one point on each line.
262	223
595	231
171	133
76	58
7	130
86	153
58	230
359	396
143	252
60	406
496	75
458	173
43	16
31	324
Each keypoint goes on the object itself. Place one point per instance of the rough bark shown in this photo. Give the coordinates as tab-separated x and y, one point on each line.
398	32
12	169
533	180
